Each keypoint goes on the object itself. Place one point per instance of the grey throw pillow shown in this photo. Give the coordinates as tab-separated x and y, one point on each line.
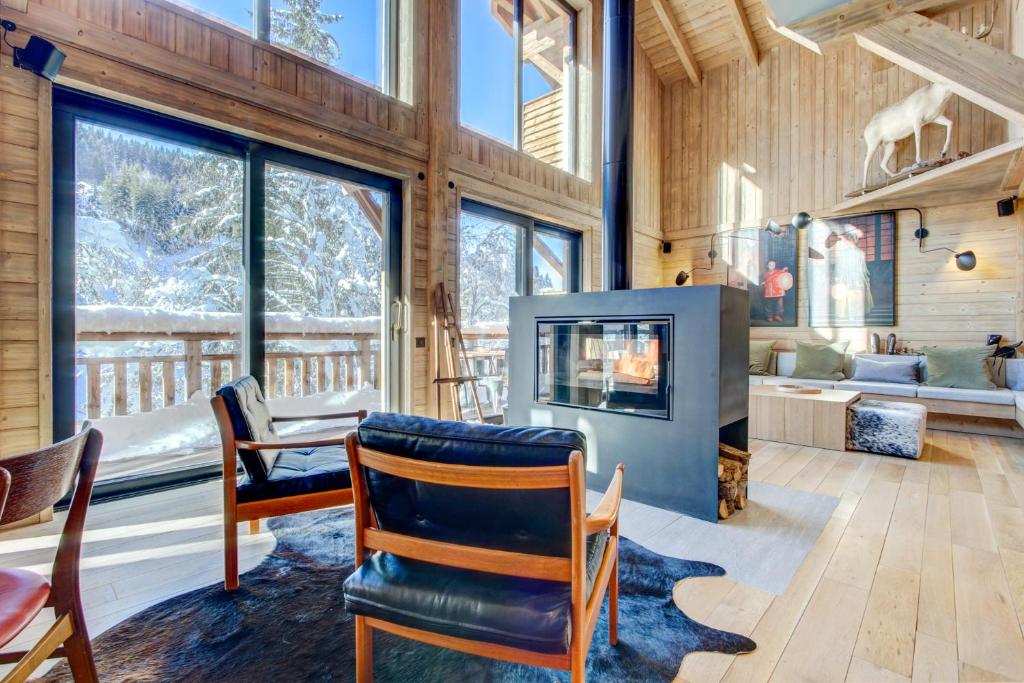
902	371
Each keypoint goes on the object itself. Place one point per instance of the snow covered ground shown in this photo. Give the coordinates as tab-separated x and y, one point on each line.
191	425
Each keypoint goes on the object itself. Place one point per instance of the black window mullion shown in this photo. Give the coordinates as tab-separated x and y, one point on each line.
253	342
517	82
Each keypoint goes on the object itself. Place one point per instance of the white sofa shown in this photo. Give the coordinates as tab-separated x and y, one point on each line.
1004	402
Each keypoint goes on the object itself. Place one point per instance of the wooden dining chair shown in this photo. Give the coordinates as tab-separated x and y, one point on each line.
37	481
475	537
280	478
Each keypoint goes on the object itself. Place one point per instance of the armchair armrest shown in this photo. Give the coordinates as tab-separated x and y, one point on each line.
360	415
259	445
606	513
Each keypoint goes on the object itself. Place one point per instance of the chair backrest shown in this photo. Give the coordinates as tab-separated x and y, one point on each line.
528	519
250	421
41	478
534	519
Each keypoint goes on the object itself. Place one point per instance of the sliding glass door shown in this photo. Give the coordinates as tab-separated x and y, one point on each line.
185	257
326	249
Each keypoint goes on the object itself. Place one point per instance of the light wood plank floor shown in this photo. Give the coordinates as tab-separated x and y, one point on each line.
918	576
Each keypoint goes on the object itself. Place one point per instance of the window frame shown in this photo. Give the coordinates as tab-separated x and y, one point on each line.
259	30
70	106
571	87
529	228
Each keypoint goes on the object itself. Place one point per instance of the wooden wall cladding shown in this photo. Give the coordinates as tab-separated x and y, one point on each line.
765	142
754	142
647	151
24	258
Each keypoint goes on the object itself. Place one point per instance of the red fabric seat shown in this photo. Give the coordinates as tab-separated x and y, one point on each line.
23	595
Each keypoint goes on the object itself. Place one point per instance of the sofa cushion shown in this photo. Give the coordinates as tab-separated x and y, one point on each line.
785	363
298	471
760	356
961	367
819	361
531	521
1018	398
883	388
899	371
523	613
251	421
821	383
996	396
754	380
1014	374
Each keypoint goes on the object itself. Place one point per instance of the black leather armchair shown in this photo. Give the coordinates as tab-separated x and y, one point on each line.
476	538
280	478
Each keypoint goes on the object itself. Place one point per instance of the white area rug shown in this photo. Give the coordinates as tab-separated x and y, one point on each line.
762	546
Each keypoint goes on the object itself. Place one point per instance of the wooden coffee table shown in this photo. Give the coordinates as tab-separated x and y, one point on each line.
817	420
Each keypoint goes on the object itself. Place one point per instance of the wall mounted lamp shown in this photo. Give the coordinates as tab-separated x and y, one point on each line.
965	260
800	221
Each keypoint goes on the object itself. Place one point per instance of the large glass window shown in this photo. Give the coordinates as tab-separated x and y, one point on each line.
357	37
184	257
502	255
325	266
517	75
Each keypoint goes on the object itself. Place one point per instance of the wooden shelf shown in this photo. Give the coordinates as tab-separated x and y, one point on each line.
992	174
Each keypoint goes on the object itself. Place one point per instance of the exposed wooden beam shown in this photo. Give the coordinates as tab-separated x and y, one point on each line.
678	40
815	31
974	70
373	211
745	35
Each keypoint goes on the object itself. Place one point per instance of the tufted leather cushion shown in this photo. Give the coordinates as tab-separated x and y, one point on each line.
523	613
534	521
251	421
298	471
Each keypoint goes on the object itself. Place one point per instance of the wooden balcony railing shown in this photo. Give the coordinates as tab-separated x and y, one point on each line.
290	373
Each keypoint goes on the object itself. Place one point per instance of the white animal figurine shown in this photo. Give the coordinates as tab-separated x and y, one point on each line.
906	117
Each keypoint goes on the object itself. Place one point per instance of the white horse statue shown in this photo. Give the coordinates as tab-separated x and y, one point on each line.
906	117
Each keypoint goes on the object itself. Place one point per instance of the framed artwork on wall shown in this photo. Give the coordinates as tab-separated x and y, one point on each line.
766	266
851	271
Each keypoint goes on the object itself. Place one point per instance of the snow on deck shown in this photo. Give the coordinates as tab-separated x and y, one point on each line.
109	319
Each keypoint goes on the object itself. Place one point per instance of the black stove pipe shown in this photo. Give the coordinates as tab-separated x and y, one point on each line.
617	161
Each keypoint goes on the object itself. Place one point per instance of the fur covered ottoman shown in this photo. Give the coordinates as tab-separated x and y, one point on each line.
886	427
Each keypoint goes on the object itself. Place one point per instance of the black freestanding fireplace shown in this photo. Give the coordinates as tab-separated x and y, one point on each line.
655	378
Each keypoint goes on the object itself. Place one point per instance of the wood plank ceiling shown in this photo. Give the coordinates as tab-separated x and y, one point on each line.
712	31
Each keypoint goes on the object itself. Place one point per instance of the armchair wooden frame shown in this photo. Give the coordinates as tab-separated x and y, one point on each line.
573	570
43	473
254	511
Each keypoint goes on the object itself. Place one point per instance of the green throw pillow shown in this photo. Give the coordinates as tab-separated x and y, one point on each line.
819	361
959	367
760	356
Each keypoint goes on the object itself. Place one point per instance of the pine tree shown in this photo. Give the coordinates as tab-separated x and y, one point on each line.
301	27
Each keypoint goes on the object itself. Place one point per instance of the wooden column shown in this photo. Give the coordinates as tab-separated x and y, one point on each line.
442	200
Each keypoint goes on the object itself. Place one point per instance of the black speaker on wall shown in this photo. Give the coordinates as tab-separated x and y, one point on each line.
1006	207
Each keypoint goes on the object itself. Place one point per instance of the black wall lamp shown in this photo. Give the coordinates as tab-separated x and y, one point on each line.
800	221
965	260
1006	207
39	56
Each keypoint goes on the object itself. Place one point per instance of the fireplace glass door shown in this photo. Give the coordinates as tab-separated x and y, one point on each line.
614	365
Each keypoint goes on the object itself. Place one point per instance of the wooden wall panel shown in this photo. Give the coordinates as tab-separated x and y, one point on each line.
757	143
647	185
24	359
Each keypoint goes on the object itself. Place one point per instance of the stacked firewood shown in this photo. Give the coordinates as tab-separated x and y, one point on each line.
732	480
